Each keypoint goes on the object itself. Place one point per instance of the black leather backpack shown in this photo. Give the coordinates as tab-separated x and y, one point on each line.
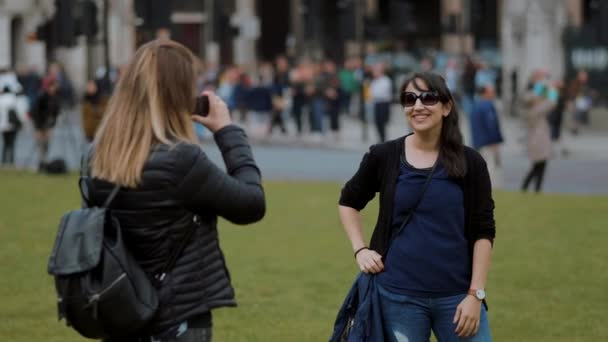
102	291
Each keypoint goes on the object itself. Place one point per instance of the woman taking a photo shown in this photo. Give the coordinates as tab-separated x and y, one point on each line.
430	267
147	145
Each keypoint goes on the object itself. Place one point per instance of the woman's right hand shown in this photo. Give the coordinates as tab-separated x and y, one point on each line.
218	117
370	261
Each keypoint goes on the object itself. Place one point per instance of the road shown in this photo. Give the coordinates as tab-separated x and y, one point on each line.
584	171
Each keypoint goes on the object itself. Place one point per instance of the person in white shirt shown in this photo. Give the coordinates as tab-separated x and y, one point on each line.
12	116
381	94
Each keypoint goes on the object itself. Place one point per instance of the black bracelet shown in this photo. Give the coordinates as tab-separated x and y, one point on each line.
359	250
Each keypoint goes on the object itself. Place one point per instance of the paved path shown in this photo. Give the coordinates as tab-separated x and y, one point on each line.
585	170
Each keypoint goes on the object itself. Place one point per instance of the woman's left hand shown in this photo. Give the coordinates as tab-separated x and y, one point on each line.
467	316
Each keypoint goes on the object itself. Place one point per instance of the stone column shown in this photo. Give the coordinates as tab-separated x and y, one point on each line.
575	12
34	52
5	40
249	30
531	38
212	50
74	60
122	32
460	41
297	28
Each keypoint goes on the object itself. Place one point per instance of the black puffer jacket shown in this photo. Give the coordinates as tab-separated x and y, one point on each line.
177	183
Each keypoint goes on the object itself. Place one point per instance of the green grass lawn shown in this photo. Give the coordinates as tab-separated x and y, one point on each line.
548	281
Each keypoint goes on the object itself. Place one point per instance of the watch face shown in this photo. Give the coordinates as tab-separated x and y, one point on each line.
480	294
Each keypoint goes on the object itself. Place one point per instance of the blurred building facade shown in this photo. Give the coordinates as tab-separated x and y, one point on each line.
245	31
561	37
34	33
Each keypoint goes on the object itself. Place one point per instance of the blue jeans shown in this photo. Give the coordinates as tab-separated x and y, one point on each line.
411	319
317	114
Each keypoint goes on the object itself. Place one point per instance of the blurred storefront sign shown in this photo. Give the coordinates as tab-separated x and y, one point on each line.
590	58
585	51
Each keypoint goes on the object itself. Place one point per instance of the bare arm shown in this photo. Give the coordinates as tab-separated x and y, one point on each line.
369	261
351	222
468	312
482	255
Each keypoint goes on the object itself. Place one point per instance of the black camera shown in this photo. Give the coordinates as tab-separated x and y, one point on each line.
202	105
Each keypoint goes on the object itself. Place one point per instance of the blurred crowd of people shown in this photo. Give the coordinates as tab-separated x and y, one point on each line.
317	95
307	98
28	97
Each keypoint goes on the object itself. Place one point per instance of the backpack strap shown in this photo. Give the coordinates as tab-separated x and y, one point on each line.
84	177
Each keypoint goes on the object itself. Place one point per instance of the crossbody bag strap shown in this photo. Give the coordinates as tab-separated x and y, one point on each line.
411	212
177	251
111	196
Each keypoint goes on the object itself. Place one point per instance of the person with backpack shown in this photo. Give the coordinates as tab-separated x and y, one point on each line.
165	188
44	117
12	116
430	251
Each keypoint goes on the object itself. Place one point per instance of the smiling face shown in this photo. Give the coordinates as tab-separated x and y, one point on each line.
427	116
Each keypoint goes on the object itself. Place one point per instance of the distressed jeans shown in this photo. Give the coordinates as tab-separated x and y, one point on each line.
411	319
190	335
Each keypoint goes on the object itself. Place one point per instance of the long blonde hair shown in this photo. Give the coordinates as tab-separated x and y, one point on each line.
151	104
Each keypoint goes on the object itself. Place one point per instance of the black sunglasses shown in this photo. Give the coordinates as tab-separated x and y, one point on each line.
428	98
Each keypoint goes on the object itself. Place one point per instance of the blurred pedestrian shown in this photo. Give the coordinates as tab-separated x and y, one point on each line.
556	118
381	95
280	95
168	188
349	85
452	77
10	80
468	84
319	101
31	83
93	107
580	101
484	75
486	133
302	85
331	93
57	76
259	100
44	117
540	101
12	117
430	251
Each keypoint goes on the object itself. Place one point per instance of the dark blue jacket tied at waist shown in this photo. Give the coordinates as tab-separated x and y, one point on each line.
360	317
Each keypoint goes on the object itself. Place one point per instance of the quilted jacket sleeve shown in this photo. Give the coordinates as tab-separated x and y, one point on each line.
237	195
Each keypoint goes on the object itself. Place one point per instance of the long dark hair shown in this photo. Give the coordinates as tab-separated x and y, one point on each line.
451	147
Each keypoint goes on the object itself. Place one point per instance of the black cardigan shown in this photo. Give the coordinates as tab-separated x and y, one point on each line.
378	172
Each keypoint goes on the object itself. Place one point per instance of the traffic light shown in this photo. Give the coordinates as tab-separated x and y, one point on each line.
44	32
88	20
64	23
154	13
71	19
603	23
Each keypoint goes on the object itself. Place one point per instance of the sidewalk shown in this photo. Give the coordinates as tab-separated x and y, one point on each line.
588	145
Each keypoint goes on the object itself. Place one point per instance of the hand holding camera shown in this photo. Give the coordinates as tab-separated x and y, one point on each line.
211	111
